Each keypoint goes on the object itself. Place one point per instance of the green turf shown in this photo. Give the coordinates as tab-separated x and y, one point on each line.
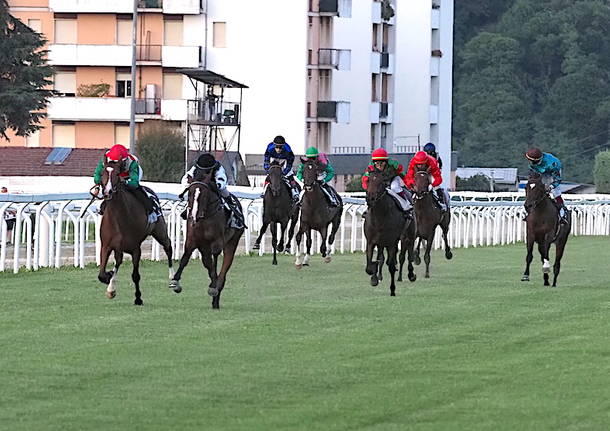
472	348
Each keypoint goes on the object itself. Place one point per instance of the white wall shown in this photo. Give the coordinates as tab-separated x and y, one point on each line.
354	86
446	86
266	50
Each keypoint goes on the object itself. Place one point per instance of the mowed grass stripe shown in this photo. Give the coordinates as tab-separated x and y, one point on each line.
470	348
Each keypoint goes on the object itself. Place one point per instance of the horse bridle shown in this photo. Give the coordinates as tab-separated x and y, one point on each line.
281	174
538	201
378	197
420	195
207	186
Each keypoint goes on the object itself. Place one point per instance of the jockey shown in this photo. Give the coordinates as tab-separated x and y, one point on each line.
423	160
381	161
549	167
280	152
430	150
324	177
205	163
131	173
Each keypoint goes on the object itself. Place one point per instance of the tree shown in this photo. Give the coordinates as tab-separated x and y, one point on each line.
24	76
602	172
161	152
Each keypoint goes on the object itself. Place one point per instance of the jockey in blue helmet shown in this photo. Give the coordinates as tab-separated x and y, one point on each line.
280	152
430	149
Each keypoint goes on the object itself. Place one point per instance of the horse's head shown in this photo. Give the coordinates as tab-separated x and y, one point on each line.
377	186
111	180
422	180
535	191
275	179
202	193
311	170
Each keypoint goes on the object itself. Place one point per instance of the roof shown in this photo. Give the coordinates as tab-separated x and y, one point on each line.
24	161
499	175
211	78
343	164
230	160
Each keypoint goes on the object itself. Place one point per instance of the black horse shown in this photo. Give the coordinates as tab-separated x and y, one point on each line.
278	207
544	228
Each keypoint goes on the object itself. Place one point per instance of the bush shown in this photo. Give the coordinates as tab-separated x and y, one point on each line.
160	149
354	185
601	172
93	90
476	183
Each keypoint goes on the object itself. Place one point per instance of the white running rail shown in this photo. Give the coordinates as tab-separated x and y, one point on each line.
52	230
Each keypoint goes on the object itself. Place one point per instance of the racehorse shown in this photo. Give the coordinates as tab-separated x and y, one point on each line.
124	227
278	207
428	216
384	227
544	228
207	230
316	213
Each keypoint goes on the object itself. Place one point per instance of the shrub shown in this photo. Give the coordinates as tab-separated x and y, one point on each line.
601	172
160	149
354	185
93	90
476	183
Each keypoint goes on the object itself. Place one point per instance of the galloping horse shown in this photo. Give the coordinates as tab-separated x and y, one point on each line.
543	227
278	207
208	232
124	227
428	216
316	213
384	226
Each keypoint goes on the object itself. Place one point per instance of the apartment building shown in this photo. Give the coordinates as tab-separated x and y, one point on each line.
90	48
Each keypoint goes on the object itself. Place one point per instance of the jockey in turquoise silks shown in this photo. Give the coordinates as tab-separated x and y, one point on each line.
549	167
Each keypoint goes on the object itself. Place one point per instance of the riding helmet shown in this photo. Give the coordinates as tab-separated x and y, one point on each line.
533	154
429	148
379	154
205	161
279	140
311	153
117	153
420	157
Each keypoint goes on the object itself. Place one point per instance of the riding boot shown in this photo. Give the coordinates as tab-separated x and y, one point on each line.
563	211
440	198
102	208
148	204
184	214
409	208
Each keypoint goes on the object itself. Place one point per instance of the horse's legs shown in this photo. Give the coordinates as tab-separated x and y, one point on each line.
417	259
528	258
184	260
227	260
410	244
392	268
324	250
283	226
104	276
274	241
401	258
445	229
209	261
336	223
135	275
293	222
111	289
308	247
380	260
559	248
299	261
160	234
371	266
257	243
429	242
543	248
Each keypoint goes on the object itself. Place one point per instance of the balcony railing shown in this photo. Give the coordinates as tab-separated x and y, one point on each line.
342	8
333	111
383	109
339	59
211	111
329	6
148	106
384	62
148	52
150	4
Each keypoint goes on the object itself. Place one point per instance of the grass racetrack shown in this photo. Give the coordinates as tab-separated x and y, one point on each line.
472	348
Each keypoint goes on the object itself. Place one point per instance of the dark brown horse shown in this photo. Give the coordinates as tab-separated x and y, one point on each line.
207	230
278	207
124	227
429	216
316	213
543	227
384	227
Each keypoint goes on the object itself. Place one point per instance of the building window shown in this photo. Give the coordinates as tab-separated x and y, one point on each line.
64	83
220	35
123	31
35	24
121	134
64	135
33	140
172	86
65	31
123	84
173	30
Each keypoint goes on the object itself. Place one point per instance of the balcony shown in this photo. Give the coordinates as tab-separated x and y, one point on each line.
340	8
212	112
374	112
183	7
90	6
181	56
174	109
375	62
433	114
339	59
385	112
376	13
435	66
148	53
90	55
150	4
331	111
148	106
435	19
89	108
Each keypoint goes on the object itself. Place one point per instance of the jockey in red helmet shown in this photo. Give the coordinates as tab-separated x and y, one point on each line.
131	173
422	161
381	160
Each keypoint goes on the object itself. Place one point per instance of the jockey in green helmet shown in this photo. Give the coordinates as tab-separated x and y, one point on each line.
324	176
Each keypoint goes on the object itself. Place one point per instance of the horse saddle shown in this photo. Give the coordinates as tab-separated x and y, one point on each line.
154	199
403	204
331	195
